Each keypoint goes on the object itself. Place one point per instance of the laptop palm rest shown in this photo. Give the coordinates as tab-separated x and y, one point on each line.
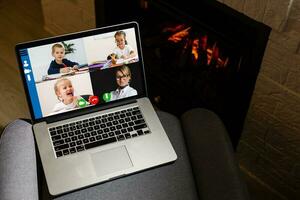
111	160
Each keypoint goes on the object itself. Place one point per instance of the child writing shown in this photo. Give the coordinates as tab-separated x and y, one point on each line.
60	64
64	91
123	50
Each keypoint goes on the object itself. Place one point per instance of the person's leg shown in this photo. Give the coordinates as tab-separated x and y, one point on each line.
18	173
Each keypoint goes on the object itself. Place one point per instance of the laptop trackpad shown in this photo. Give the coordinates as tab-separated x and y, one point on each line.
111	160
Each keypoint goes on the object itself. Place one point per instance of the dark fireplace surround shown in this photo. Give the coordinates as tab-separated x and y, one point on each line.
196	55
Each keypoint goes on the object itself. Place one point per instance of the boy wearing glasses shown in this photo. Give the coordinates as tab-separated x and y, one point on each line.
123	77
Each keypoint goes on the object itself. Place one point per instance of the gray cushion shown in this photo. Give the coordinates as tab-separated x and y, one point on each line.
215	168
172	181
18	177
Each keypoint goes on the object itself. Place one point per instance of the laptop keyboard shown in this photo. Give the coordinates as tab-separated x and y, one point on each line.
96	131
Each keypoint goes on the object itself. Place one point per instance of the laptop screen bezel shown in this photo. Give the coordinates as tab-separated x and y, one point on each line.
78	35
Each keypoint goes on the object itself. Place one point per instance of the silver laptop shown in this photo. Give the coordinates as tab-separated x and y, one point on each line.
92	123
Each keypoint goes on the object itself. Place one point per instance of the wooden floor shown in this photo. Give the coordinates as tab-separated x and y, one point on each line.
20	21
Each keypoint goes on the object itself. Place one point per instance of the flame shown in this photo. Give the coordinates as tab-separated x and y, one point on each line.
177	37
179	33
174	29
209	55
195	47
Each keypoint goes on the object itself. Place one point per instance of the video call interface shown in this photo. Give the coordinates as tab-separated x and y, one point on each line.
83	72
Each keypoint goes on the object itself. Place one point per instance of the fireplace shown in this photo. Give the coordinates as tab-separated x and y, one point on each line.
196	56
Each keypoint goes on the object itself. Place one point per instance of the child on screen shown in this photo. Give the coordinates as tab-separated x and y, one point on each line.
60	64
65	93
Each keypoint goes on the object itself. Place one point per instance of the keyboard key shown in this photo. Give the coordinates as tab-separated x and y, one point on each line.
80	137
98	137
59	131
134	135
140	132
121	137
74	138
87	135
57	137
85	140
66	130
99	143
66	152
141	126
85	125
130	123
58	142
139	121
96	131
59	154
67	140
136	112
61	147
111	134
127	136
73	150
127	119
80	148
52	133
72	144
139	116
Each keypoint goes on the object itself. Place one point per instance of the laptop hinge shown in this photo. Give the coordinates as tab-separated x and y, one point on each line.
64	116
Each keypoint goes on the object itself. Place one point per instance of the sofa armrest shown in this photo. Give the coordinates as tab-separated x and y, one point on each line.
213	161
18	173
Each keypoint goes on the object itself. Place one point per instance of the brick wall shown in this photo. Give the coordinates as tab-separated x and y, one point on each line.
269	148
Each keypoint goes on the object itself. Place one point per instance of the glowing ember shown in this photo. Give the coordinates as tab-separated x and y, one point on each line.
200	49
177	37
174	29
195	48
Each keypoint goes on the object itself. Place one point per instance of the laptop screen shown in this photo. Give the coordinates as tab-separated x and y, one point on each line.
82	70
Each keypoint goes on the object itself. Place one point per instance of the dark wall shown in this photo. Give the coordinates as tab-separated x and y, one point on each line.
247	36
